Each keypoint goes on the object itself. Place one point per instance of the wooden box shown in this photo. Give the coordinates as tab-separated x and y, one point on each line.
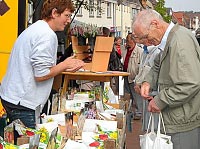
101	54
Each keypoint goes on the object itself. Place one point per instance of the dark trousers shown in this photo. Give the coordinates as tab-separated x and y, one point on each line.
14	112
136	98
27	116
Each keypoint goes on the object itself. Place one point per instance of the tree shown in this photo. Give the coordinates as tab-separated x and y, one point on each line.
160	7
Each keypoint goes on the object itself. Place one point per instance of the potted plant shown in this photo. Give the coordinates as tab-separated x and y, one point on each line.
93	31
79	32
84	31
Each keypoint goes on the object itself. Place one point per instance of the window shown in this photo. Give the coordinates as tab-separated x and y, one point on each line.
98	8
79	12
108	10
134	12
91	8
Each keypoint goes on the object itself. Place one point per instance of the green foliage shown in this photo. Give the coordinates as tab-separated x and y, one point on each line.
160	7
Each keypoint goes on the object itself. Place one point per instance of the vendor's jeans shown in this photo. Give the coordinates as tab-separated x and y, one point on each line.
129	88
26	116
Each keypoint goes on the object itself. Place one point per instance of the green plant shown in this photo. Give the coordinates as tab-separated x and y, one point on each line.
160	7
86	30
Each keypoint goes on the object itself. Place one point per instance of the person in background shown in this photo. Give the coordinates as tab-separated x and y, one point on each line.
176	73
115	62
106	32
118	47
131	59
32	64
147	61
197	34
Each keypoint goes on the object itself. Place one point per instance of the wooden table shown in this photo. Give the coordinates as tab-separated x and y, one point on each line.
86	75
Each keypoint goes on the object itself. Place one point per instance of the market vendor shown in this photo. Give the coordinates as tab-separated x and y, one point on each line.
32	65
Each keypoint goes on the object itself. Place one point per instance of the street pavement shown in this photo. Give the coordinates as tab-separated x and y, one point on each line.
132	138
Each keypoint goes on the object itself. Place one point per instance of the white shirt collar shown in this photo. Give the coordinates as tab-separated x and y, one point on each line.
164	39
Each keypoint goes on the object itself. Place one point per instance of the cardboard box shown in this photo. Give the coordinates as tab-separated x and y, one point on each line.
75	45
80	51
101	54
114	105
22	140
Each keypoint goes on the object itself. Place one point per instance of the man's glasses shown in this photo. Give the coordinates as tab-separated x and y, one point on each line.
142	37
68	16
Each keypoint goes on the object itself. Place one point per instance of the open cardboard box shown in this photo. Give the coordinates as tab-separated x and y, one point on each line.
101	54
77	48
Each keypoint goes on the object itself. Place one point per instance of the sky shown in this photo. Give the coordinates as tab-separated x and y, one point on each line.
183	5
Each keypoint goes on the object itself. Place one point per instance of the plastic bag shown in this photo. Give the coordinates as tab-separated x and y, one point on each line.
147	140
162	141
152	140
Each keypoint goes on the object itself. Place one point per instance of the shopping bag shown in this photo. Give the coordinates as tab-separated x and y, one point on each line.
162	141
152	140
147	140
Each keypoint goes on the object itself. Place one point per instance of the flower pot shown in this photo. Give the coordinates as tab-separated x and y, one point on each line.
81	41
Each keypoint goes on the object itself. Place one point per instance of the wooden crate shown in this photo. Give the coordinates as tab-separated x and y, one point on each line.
101	54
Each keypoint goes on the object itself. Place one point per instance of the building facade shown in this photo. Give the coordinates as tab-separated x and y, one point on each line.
115	15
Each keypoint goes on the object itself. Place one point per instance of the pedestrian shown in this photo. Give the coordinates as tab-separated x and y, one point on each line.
32	65
115	62
147	61
197	34
131	60
176	74
118	47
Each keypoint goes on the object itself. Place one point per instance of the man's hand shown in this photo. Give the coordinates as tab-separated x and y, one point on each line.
145	90
73	64
70	64
152	107
137	88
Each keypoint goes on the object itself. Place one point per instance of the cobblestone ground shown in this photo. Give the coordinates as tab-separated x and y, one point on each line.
132	138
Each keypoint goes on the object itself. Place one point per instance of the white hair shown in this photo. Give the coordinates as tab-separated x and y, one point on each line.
145	17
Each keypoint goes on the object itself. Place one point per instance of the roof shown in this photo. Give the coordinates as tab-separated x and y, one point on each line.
178	17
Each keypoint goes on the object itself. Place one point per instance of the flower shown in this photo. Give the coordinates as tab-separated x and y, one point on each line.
86	30
113	135
44	138
29	133
93	30
102	135
94	144
77	31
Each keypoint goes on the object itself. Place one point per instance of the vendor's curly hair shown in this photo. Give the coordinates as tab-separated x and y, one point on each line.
60	5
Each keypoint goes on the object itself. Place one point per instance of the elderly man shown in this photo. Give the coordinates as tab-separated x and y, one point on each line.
176	74
131	58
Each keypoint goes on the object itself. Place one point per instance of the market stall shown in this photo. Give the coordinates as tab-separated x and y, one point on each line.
82	124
